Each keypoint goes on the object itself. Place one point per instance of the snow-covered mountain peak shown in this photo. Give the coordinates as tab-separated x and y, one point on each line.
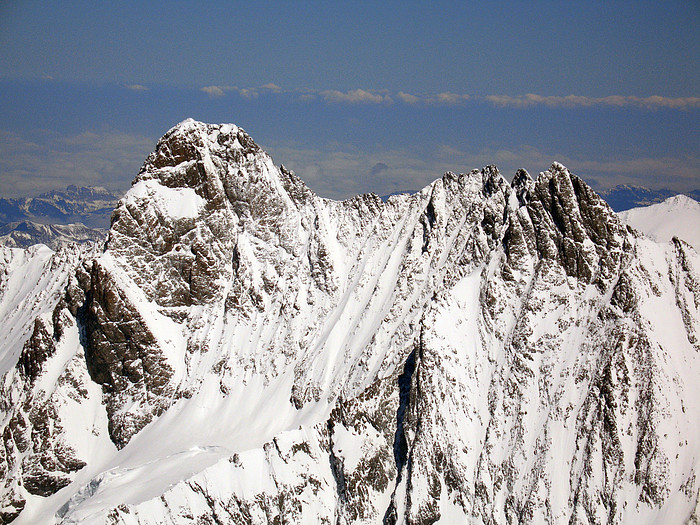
192	142
203	185
219	162
681	202
182	142
677	216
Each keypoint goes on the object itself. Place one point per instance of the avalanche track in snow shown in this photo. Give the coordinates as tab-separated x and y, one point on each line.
241	350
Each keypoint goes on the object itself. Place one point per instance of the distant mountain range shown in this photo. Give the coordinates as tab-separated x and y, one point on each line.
27	233
56	218
91	206
625	197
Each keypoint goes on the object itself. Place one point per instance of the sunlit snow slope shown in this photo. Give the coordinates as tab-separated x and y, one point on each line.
243	351
677	216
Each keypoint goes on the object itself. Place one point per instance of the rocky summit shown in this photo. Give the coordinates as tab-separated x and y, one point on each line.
241	350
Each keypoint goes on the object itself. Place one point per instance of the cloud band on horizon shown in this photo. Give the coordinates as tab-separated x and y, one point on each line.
369	96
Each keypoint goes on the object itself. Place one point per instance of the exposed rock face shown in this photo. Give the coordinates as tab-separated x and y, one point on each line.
244	351
124	357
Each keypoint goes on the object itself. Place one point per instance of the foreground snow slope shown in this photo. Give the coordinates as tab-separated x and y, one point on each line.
245	351
677	216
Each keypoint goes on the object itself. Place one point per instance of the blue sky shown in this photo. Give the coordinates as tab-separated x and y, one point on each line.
357	96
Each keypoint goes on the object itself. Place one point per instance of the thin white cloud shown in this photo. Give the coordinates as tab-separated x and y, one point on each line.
272	87
136	87
447	98
307	97
220	91
408	98
671	103
573	101
247	93
355	96
213	91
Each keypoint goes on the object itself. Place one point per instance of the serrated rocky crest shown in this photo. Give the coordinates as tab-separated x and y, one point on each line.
243	351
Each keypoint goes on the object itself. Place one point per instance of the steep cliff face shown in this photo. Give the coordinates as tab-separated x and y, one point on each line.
245	351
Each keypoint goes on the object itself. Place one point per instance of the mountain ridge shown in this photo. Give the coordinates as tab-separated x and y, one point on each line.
418	359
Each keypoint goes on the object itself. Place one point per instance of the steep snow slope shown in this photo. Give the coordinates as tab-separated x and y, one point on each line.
245	351
677	216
